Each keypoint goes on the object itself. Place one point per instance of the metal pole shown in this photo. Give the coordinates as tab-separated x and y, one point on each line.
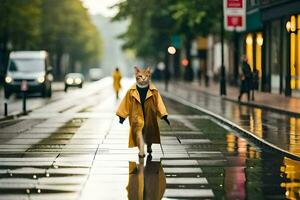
167	72
222	79
24	102
288	89
236	58
5	109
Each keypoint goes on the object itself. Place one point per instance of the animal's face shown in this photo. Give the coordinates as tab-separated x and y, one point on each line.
143	76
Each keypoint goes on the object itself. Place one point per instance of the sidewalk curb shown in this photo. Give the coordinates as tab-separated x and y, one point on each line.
232	125
270	108
19	114
251	103
14	116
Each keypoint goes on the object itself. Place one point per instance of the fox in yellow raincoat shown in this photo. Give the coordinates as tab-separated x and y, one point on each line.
143	113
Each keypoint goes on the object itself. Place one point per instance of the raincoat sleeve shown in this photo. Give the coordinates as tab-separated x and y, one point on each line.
161	109
123	110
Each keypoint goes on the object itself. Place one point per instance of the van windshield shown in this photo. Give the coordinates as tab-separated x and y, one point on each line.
26	65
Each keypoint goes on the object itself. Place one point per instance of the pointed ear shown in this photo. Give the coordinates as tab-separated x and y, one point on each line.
136	69
148	70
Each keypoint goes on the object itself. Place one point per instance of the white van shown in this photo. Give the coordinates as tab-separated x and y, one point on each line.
32	67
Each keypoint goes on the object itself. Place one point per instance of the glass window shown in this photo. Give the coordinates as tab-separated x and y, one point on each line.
26	65
275	46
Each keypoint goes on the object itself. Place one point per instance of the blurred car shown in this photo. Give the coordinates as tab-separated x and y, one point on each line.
31	68
95	74
73	80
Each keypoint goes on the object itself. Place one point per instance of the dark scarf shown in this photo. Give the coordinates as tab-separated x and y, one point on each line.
143	94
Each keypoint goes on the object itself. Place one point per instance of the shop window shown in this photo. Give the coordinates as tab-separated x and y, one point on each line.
295	51
249	49
258	52
275	54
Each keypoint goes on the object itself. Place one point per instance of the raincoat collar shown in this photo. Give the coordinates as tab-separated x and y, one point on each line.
136	95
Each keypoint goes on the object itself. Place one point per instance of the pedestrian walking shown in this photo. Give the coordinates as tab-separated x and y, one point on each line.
117	81
246	79
142	104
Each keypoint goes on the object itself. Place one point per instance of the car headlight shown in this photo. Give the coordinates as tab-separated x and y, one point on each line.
41	79
8	79
78	80
69	81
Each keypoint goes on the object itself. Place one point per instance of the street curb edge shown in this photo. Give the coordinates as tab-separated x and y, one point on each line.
232	125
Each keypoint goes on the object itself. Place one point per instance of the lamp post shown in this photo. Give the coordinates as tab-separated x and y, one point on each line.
291	29
222	79
171	51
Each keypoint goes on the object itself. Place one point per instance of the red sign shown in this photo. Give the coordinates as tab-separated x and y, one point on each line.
234	21
235	4
235	15
24	86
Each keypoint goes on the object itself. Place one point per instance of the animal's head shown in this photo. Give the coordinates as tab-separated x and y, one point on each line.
142	76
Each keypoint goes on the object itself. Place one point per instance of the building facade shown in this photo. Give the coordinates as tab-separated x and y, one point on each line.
272	43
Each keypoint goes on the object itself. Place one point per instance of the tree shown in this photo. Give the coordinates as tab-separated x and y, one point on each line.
67	29
154	22
58	26
19	25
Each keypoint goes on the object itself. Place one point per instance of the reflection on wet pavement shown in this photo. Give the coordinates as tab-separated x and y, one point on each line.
277	128
82	153
146	182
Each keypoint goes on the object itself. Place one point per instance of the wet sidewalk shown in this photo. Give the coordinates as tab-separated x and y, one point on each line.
76	149
265	100
276	129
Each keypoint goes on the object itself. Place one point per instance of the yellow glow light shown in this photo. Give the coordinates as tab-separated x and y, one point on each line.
259	40
288	26
249	39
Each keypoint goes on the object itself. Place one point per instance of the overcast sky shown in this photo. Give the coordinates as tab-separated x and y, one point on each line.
100	7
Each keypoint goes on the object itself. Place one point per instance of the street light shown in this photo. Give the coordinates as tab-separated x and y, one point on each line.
171	51
291	28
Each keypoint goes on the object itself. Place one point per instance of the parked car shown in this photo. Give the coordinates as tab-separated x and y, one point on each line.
73	80
31	67
95	74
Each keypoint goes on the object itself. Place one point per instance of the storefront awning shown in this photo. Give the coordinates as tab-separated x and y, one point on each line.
254	22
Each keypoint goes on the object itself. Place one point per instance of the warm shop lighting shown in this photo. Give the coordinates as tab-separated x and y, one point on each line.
259	40
288	26
249	40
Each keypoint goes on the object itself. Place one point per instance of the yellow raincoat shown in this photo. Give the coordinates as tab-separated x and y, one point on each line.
146	183
116	80
153	107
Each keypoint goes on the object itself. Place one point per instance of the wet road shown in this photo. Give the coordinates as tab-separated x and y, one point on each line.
74	148
282	130
33	101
